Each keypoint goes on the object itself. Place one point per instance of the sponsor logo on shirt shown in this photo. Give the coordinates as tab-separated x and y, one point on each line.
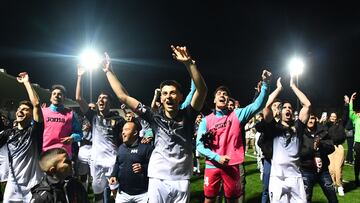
56	120
134	151
222	125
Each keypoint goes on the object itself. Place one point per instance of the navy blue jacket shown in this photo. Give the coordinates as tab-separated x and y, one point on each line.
130	182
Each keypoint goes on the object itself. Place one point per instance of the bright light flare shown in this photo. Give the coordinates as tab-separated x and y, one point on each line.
90	59
296	66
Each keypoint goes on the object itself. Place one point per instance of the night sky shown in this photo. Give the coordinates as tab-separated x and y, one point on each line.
231	42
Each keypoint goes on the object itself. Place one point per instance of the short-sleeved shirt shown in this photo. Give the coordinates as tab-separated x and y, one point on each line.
24	150
106	137
286	146
171	158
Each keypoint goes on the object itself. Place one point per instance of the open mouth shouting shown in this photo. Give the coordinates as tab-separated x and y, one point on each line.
170	103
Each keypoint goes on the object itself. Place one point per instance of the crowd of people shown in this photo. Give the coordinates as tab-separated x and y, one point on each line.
51	154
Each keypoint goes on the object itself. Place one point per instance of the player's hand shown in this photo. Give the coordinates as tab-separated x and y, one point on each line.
181	54
81	70
224	160
106	63
137	168
112	181
146	140
266	76
66	140
353	96
23	77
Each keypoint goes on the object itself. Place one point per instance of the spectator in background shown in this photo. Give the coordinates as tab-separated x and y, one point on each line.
337	133
57	185
315	148
231	104
349	130
355	118
196	163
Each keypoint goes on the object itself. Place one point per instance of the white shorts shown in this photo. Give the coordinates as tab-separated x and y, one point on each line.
282	189
164	191
100	175
13	193
83	162
123	197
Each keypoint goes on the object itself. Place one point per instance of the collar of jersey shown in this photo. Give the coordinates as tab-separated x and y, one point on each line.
56	108
221	112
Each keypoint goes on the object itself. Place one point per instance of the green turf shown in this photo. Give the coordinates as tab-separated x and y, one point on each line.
253	186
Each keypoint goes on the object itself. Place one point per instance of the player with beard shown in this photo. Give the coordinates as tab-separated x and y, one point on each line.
105	128
24	143
286	182
224	148
170	165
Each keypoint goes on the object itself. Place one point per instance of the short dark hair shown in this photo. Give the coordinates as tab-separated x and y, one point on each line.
277	100
107	94
27	103
222	88
285	102
171	83
137	123
47	160
59	87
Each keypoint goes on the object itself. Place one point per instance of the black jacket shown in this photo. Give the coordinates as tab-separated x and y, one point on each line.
308	153
337	130
51	190
130	182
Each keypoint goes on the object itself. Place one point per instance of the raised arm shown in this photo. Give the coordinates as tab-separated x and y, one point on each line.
84	106
34	98
268	114
117	87
306	105
155	98
189	96
244	114
181	54
352	113
345	115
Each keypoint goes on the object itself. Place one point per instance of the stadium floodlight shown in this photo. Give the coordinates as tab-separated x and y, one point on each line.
296	66
90	59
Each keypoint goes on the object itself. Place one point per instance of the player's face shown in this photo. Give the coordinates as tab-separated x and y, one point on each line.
275	107
103	102
333	117
231	105
57	97
129	116
129	132
92	106
311	122
221	99
23	113
198	119
170	98
286	112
